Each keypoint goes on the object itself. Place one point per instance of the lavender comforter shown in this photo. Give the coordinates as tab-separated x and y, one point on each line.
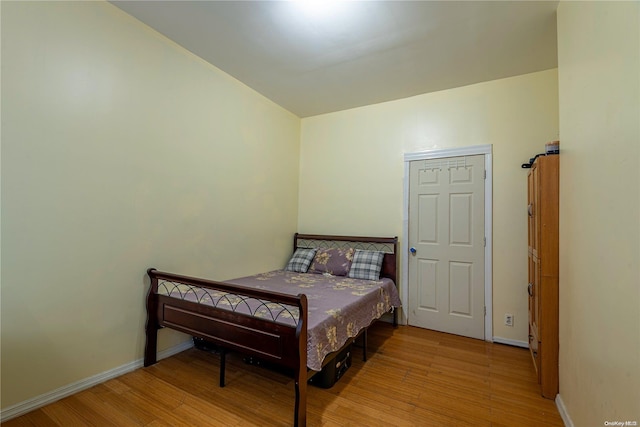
339	307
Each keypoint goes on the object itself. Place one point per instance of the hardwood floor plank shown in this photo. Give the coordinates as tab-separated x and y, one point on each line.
64	415
113	386
505	418
40	419
457	408
89	414
414	377
428	417
104	409
33	418
120	402
196	417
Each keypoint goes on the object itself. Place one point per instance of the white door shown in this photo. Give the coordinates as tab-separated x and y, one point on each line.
446	237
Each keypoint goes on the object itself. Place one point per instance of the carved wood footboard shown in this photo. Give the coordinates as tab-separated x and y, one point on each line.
282	344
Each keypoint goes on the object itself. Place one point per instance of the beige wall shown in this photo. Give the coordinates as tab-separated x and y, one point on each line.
351	167
122	151
599	93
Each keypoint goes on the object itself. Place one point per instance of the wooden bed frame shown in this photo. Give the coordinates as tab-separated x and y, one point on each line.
273	342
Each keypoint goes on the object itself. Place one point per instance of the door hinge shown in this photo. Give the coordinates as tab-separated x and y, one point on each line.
485	310
485	174
485	242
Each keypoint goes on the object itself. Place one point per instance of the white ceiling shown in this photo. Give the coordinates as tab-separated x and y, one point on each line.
362	52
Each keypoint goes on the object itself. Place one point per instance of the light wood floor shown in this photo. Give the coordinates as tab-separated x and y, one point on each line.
414	377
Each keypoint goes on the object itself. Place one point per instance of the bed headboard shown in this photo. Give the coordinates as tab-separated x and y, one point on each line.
388	245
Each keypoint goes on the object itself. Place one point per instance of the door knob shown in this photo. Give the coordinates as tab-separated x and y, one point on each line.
413	251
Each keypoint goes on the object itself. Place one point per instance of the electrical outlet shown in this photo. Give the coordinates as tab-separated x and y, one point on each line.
508	319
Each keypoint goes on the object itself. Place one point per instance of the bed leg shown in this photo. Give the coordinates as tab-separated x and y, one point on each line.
364	345
395	317
151	347
152	325
223	364
300	412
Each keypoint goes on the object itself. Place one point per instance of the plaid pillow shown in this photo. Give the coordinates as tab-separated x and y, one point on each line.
366	265
301	260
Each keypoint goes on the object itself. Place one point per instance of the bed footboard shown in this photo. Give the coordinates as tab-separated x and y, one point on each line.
232	321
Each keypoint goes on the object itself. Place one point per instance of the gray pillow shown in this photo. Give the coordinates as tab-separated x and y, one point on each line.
332	261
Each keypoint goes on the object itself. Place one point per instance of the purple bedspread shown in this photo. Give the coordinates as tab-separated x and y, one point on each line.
339	307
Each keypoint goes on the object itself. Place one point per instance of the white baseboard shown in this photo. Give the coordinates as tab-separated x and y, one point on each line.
507	341
50	397
563	411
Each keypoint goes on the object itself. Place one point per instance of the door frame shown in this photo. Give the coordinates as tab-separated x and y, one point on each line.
486	150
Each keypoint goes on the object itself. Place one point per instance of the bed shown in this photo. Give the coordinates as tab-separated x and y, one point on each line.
331	290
